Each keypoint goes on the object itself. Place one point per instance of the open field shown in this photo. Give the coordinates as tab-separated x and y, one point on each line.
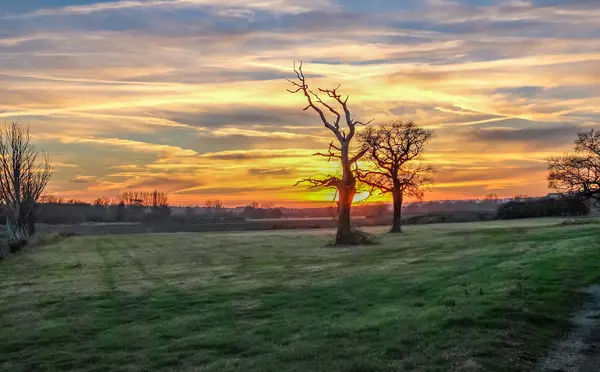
454	297
248	225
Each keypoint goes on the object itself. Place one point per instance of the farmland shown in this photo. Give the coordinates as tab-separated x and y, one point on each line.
464	297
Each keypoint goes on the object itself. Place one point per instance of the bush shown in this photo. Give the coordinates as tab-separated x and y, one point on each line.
17	245
545	207
450	217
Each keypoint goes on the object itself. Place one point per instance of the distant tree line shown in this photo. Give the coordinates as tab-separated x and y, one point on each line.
214	209
144	206
131	206
542	207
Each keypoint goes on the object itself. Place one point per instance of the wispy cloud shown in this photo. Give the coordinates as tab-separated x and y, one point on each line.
165	150
225	7
192	91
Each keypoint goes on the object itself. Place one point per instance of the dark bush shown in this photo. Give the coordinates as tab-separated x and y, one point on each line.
17	245
78	213
543	207
450	217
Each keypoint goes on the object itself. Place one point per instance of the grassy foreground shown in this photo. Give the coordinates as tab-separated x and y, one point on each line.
457	298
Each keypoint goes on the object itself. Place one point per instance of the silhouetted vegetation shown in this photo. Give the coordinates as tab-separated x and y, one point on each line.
132	206
24	174
345	185
542	207
394	151
450	217
578	174
256	211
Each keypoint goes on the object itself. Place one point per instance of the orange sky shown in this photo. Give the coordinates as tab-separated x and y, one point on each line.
189	97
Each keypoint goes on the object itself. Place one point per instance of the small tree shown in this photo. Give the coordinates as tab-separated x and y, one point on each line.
346	185
159	206
215	205
394	151
24	174
578	174
120	212
190	214
491	197
267	205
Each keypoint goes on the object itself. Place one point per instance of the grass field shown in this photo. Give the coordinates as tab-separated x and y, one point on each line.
463	297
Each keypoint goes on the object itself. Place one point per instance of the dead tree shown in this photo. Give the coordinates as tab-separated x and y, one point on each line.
394	151
24	174
338	149
578	174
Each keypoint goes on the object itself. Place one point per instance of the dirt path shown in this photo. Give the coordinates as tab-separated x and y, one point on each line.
580	351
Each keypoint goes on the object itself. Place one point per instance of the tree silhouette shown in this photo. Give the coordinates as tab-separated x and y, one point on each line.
578	174
24	174
343	127
214	205
394	151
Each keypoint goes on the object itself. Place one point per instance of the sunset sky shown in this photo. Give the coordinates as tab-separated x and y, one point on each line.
189	96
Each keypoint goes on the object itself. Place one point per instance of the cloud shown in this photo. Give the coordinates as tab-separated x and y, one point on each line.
158	93
237	116
258	154
541	137
228	190
266	172
136	146
60	164
83	179
168	184
226	7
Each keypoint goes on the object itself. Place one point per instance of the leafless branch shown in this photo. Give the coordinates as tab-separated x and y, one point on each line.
23	175
395	150
330	181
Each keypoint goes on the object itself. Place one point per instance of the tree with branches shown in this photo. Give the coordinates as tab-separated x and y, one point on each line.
578	174
395	151
336	117
214	205
24	174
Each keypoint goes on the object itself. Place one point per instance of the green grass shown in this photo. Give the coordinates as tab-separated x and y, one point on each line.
438	298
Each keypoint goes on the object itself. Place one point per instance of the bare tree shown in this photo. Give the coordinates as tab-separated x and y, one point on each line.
154	199
491	197
395	150
131	198
267	205
158	199
50	199
24	174
102	202
578	174
213	205
344	133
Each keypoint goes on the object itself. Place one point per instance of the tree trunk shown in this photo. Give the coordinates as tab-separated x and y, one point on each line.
346	192
397	197
344	234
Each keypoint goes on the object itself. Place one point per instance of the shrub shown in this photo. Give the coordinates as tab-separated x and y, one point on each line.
544	207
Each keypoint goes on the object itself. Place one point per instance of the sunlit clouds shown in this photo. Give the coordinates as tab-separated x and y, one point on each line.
189	96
